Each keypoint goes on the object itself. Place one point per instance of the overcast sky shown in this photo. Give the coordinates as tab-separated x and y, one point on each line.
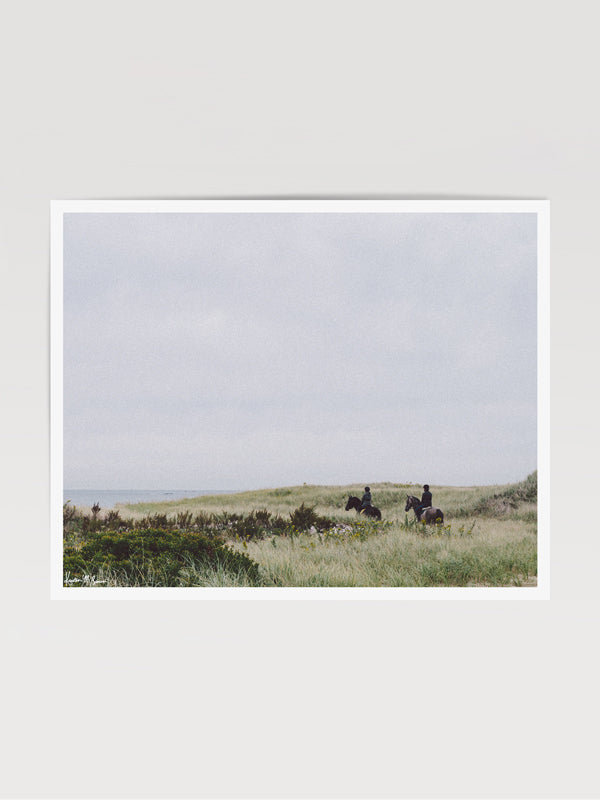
235	351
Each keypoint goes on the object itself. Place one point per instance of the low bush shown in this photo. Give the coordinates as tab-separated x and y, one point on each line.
157	554
160	521
305	517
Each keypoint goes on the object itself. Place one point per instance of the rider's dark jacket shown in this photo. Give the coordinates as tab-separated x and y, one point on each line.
426	500
366	499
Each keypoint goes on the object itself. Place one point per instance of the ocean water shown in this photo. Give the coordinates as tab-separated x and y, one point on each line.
108	498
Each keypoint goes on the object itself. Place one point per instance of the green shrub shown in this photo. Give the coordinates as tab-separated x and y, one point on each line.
113	521
248	527
155	551
256	525
203	520
305	517
160	521
70	513
185	520
263	517
277	524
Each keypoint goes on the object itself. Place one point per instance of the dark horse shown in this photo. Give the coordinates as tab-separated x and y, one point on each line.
430	516
369	511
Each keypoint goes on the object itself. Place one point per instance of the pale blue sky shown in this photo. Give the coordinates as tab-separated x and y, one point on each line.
233	351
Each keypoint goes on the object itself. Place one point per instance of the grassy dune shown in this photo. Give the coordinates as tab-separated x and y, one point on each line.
489	537
514	501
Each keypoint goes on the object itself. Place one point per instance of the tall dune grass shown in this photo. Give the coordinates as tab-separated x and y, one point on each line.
487	554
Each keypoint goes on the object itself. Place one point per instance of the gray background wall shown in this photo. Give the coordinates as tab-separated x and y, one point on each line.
318	698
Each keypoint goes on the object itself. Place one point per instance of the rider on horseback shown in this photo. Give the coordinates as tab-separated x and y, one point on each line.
366	498
426	500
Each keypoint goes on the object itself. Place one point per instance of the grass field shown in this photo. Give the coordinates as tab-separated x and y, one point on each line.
489	538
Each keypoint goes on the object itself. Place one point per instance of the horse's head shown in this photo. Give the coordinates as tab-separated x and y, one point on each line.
351	503
410	502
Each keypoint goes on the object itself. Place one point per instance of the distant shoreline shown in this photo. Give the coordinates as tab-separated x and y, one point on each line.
109	498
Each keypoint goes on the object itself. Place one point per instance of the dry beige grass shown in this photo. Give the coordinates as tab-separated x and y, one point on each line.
494	554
